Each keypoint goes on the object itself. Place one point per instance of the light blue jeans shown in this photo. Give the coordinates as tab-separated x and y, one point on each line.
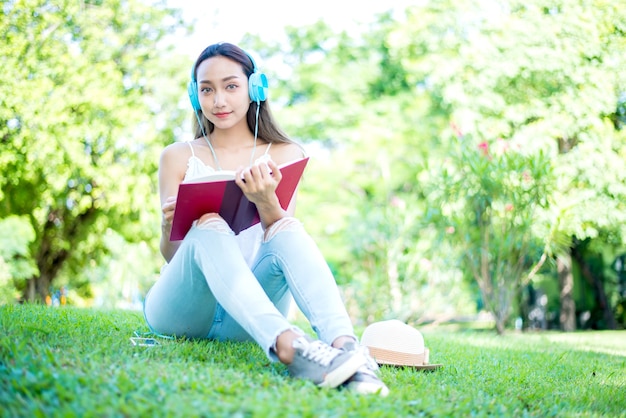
209	291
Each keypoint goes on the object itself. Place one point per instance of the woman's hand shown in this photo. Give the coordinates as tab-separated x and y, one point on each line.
259	183
168	209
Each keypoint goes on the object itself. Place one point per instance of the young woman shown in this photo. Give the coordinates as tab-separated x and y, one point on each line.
223	286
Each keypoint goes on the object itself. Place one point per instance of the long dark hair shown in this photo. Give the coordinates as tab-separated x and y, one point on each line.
268	128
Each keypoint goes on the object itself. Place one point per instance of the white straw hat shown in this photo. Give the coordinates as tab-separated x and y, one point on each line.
395	343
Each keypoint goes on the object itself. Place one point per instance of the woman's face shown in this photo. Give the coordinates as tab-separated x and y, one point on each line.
223	92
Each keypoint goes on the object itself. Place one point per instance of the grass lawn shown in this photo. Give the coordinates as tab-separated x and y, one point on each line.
76	362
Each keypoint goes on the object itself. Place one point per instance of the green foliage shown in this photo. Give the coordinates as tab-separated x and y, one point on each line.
122	278
79	126
16	265
544	74
73	362
489	194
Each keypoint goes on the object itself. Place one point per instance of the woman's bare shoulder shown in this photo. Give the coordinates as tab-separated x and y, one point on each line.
176	147
174	160
176	151
283	153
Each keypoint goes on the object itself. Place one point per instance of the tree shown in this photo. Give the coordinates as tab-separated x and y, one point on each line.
84	111
545	75
488	194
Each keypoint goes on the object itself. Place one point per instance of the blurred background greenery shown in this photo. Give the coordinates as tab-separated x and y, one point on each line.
469	157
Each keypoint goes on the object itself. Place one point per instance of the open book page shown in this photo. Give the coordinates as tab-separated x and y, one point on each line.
216	176
223	196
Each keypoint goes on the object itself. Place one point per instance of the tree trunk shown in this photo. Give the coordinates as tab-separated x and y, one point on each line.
500	324
30	292
567	317
598	288
50	256
37	290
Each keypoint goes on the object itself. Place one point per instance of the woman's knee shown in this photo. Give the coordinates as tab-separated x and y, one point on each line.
213	221
284	224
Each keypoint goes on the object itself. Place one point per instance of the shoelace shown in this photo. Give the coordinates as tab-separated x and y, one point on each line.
318	352
371	363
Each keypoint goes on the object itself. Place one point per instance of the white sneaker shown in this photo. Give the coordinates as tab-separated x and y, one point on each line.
322	364
365	381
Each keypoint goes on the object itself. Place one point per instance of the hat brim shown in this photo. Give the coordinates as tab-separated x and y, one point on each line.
397	359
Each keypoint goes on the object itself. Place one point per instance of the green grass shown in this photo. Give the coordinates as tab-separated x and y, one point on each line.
77	362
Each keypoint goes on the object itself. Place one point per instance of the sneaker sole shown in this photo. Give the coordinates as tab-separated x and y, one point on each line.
343	372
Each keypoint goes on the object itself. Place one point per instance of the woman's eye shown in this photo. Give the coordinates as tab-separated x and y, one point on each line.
206	90
231	86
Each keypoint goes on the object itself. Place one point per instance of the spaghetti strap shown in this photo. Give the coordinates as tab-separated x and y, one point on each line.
193	154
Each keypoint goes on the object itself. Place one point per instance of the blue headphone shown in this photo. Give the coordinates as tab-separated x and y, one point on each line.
257	86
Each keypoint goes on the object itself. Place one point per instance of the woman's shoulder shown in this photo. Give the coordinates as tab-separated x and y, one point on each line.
285	152
176	150
177	147
175	157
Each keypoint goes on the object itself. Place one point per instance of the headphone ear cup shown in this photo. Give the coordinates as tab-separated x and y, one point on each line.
192	91
257	87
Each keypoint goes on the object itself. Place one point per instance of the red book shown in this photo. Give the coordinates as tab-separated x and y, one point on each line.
218	193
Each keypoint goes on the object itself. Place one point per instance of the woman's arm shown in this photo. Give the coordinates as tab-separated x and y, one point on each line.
171	174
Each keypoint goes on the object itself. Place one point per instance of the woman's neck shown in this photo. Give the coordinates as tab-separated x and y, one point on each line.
233	138
233	147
